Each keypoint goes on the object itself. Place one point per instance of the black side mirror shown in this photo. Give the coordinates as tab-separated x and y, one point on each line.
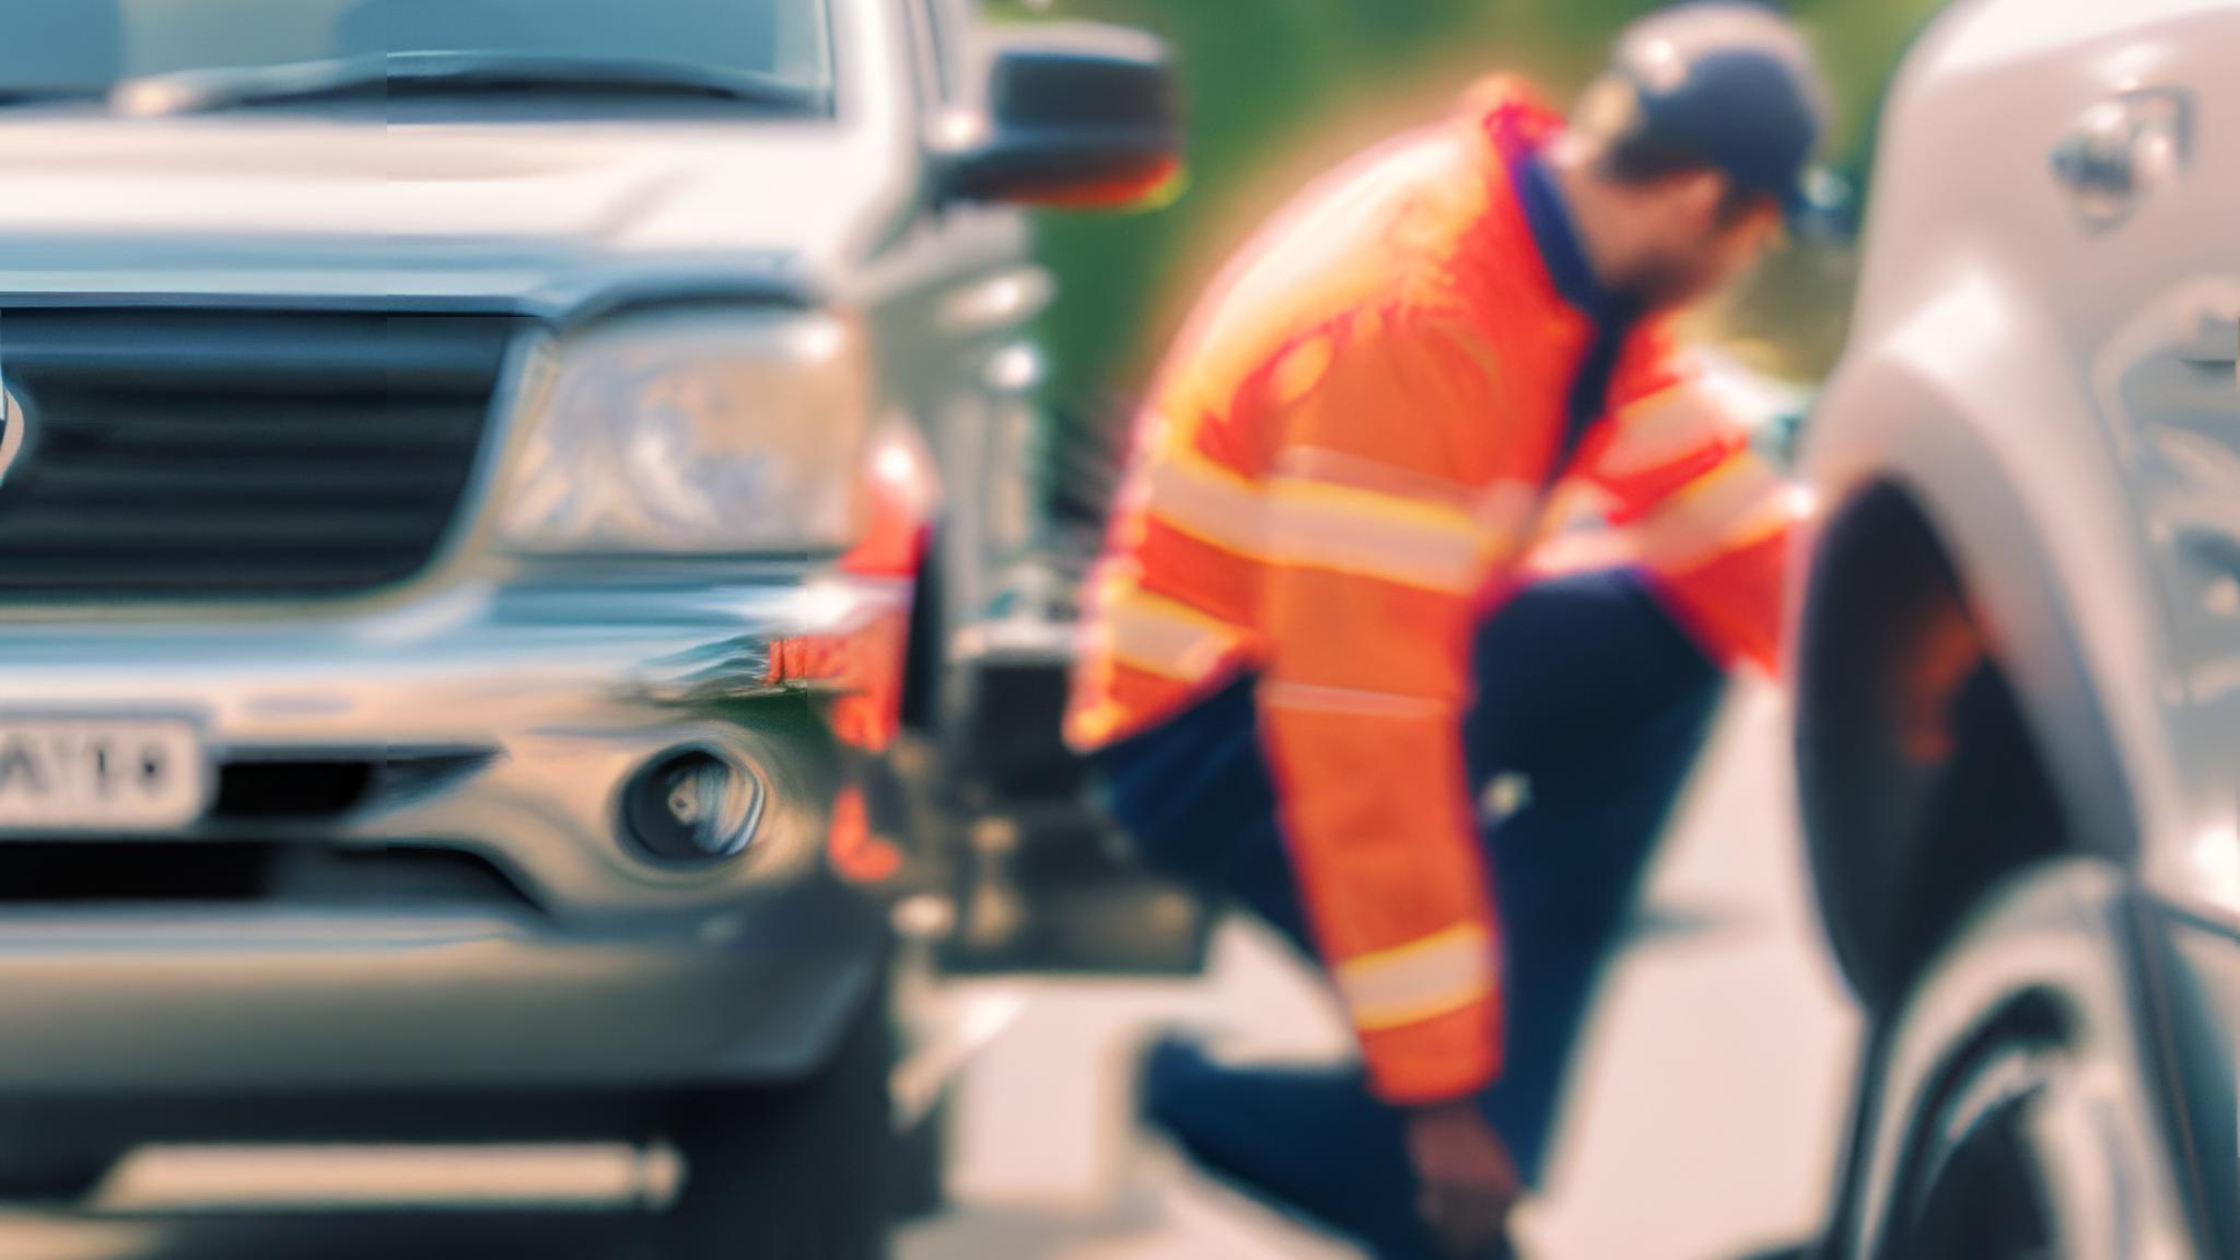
1078	115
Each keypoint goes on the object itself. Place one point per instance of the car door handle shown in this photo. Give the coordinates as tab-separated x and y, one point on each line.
2120	151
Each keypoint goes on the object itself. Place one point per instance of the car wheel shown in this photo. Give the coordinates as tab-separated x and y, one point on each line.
799	1172
1985	1186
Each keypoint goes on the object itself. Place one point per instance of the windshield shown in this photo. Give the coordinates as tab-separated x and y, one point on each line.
87	46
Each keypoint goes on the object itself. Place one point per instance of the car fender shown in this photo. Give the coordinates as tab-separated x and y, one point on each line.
1972	408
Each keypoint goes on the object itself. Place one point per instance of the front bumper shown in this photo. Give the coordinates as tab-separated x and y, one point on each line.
536	701
367	1001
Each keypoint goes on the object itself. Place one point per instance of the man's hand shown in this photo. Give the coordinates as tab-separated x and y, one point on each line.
1468	1183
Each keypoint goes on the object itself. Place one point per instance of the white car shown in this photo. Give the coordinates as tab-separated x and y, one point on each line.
2017	641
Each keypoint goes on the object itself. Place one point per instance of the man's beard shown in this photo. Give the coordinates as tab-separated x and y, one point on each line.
1661	285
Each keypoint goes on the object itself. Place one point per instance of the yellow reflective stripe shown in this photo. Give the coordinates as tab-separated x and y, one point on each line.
1343	530
1739	502
1208	502
1442	542
1418	981
1575	506
1091	728
1664	428
1160	636
1339	468
1584	551
1309	698
1504	512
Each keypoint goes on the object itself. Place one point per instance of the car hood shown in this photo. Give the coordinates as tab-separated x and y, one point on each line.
309	207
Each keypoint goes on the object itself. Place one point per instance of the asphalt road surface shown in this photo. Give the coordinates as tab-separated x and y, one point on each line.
1703	1123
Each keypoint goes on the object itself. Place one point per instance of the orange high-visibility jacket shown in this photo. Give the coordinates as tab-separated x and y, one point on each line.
1345	464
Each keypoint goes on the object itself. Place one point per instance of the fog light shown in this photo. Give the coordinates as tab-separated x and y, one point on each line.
692	805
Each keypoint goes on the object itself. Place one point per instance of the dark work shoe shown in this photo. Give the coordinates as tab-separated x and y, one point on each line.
1309	1141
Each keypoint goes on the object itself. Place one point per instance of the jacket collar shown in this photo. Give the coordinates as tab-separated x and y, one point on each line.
1519	126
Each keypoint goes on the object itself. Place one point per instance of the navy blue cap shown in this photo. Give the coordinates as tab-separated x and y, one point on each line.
1725	85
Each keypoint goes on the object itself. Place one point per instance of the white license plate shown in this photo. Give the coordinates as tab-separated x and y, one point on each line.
96	774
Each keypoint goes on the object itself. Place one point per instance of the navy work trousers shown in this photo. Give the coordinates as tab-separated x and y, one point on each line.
1586	688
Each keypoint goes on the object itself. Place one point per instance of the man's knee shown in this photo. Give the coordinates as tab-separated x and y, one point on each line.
1572	664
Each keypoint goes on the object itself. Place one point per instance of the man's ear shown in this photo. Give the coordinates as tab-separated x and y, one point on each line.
1700	197
1764	220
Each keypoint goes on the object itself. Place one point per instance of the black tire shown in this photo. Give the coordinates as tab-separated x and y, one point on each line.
798	1172
1982	1191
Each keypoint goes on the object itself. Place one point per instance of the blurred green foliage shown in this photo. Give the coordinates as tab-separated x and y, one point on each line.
1279	89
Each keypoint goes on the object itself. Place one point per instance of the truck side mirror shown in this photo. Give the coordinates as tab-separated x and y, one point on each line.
1078	115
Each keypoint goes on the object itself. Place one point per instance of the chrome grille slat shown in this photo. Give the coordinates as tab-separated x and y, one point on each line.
226	455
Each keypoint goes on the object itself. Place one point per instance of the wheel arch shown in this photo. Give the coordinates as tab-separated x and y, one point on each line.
1918	494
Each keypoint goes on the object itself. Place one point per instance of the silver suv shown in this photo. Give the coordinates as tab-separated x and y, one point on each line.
465	471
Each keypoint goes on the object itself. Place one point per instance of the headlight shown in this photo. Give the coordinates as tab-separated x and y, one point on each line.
694	433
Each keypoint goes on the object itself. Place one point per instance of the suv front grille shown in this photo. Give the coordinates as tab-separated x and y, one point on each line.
198	455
